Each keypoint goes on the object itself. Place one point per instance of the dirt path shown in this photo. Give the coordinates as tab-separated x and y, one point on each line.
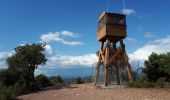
89	92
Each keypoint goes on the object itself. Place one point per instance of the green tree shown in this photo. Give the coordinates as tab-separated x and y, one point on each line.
24	62
157	66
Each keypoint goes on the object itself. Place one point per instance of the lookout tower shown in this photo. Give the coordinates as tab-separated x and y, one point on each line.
111	25
112	54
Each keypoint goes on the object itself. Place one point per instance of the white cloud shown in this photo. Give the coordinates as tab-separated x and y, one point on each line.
128	11
3	56
49	49
141	54
60	60
58	37
69	34
157	46
50	37
63	60
71	43
38	72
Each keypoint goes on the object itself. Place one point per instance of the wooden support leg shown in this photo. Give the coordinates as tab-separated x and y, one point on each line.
107	62
117	73
99	62
97	70
128	67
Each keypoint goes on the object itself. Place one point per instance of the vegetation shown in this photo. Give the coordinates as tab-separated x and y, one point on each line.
156	72
42	81
5	93
19	76
56	80
25	60
79	80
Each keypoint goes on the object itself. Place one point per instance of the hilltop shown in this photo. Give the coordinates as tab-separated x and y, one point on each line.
90	92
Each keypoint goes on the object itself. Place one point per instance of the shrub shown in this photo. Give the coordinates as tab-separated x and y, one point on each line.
137	84
6	93
157	66
142	83
42	81
79	80
8	77
167	85
156	71
147	84
56	80
161	82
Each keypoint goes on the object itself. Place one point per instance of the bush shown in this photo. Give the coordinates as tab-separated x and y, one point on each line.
6	93
8	77
167	85
42	81
79	80
161	82
156	71
56	80
142	83
157	66
147	84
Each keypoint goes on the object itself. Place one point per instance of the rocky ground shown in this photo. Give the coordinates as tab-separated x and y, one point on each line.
90	92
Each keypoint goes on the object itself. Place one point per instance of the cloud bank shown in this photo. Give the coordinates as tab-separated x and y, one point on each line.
67	60
64	60
157	46
59	37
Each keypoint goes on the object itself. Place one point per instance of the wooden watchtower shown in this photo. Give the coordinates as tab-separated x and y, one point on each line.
111	31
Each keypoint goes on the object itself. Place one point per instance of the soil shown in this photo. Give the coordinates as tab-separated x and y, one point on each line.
90	92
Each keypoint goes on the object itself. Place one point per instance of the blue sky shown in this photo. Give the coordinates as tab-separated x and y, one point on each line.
70	28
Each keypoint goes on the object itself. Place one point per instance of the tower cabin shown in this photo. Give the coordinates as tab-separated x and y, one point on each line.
111	25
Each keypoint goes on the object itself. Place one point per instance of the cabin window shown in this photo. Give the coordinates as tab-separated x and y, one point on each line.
121	22
112	20
101	23
116	20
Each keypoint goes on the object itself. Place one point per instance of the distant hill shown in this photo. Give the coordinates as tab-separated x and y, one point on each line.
68	72
87	79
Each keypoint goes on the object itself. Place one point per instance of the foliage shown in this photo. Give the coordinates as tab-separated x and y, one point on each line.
42	81
142	84
7	77
18	78
6	93
56	80
156	72
23	64
157	66
79	80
